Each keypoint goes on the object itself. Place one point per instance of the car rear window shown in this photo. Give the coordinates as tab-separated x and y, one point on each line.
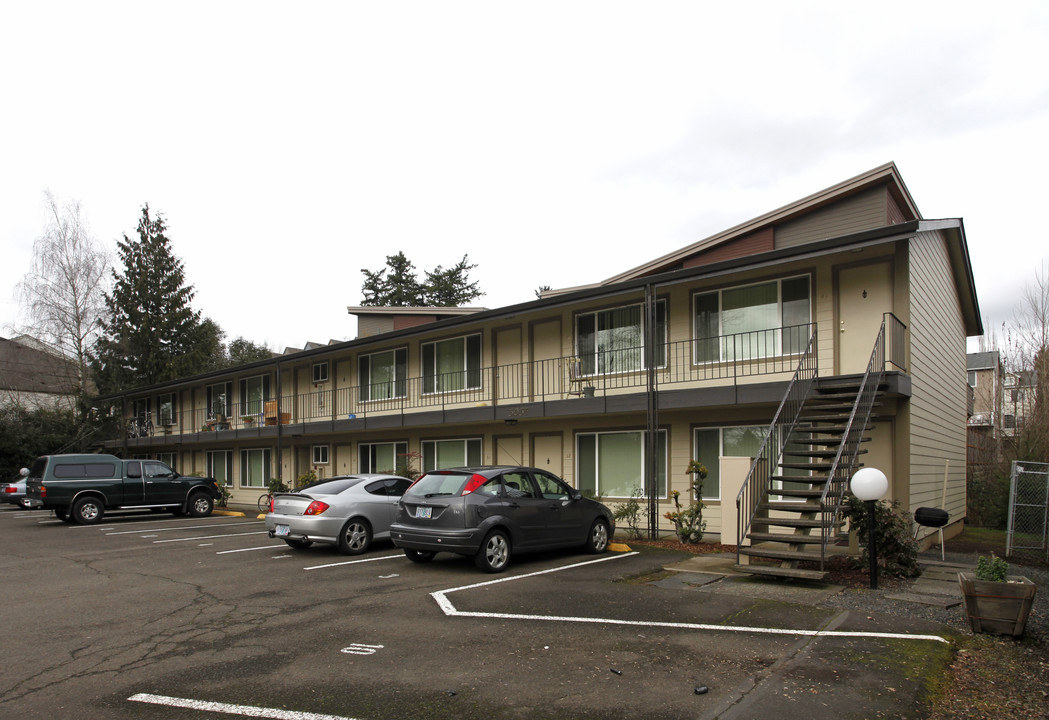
330	487
85	470
440	483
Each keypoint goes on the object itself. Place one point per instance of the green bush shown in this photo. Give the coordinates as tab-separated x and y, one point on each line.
688	522
629	515
992	569
897	551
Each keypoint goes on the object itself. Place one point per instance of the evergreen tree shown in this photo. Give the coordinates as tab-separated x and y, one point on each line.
242	352
451	287
396	285
150	333
399	288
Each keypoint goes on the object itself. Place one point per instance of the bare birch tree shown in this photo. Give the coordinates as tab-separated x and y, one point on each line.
63	294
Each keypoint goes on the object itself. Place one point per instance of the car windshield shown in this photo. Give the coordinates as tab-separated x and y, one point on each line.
439	483
330	487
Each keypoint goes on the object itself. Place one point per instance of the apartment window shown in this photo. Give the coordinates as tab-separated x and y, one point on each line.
166	409
219	400
1009	421
972	378
612	464
450	365
382	376
320	454
710	444
440	454
612	341
220	466
255	468
253	393
737	323
320	372
168	458
381	457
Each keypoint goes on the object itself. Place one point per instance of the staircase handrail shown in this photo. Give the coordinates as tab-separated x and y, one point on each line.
838	475
758	480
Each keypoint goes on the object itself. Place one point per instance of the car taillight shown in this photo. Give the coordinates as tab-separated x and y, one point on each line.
473	483
9	489
271	503
43	491
316	508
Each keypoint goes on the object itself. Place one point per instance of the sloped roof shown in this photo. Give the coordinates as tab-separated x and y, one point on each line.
25	367
885	174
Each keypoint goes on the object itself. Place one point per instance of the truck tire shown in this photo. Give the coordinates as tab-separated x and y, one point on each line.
200	505
87	511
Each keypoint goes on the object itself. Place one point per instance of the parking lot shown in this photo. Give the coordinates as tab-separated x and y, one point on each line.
153	616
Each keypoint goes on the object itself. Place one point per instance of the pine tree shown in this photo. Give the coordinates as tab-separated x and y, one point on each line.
151	334
396	285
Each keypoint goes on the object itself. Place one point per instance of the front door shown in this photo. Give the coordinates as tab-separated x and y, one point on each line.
864	296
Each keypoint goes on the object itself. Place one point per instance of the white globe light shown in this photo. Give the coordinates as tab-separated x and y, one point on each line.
869	484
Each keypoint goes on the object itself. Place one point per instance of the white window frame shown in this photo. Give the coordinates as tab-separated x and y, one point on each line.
320	372
227	394
321	454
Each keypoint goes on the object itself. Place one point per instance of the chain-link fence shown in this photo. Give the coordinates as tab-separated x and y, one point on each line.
1028	508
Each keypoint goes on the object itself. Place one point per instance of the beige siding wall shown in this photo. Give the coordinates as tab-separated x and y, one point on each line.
937	411
862	212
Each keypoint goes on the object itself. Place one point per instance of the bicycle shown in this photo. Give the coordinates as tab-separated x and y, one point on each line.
265	502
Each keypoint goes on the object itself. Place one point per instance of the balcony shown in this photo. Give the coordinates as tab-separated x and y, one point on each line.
557	386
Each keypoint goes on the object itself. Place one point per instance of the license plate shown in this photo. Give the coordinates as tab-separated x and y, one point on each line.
424	513
282	531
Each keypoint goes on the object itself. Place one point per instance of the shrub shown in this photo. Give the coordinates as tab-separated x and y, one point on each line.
897	551
630	514
688	522
992	569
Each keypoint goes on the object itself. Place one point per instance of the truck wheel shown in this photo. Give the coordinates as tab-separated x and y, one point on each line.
87	511
200	505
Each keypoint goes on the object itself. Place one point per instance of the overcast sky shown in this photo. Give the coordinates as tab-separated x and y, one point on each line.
289	145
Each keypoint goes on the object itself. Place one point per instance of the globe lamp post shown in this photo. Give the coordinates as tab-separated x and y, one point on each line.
870	485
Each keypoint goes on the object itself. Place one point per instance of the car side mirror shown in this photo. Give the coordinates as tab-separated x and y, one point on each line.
24	472
577	496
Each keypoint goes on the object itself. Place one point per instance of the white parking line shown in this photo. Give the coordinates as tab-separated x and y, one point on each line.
446	605
354	562
261	547
208	537
177	527
226	708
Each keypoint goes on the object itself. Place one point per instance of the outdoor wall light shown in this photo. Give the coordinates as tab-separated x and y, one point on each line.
870	485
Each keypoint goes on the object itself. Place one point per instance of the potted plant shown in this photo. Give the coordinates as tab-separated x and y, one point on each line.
247	419
995	601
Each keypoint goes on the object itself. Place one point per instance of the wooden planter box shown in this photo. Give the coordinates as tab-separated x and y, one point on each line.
997	607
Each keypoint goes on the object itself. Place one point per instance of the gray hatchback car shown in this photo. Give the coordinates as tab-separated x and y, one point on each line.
348	511
490	513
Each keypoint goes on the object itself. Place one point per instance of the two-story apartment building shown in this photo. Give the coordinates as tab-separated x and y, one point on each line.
781	353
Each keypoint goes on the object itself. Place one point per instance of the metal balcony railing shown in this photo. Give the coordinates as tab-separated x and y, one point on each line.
698	362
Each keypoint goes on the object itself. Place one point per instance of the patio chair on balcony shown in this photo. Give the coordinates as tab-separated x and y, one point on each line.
270	414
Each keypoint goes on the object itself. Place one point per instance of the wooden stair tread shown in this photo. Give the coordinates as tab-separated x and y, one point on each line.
775	571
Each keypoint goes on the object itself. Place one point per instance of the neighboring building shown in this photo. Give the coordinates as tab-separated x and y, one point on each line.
985	377
35	375
776	339
1018	400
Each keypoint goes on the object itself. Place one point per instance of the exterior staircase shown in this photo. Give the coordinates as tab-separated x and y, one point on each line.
789	508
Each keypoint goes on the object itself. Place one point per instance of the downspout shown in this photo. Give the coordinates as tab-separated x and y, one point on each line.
651	358
280	430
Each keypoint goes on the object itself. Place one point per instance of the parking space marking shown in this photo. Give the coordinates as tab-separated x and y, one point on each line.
260	547
176	527
208	537
446	605
354	562
228	709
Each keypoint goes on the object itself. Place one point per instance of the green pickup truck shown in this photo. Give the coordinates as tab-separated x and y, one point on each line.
82	488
